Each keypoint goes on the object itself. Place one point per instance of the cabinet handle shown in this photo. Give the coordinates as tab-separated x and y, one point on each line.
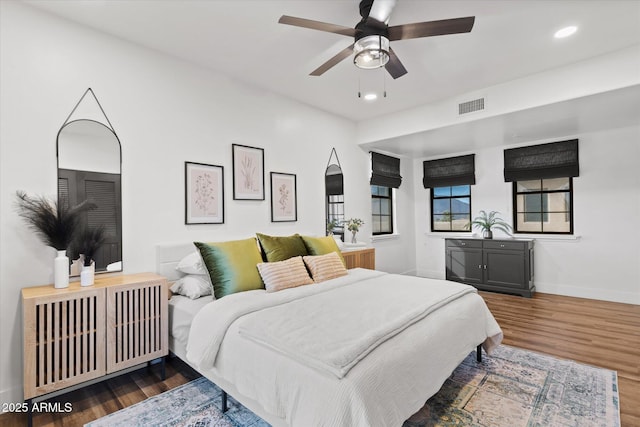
485	266
462	244
480	266
502	246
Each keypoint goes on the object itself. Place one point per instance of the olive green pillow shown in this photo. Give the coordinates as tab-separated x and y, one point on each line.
281	248
322	246
232	265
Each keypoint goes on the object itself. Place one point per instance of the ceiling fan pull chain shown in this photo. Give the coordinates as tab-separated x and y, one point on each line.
384	83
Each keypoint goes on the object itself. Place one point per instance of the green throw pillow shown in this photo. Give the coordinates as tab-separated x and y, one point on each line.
281	248
322	246
232	265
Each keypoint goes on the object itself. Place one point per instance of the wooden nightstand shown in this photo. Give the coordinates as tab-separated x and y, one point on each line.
78	333
363	258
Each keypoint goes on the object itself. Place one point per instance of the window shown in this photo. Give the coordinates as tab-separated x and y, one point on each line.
335	213
451	208
381	209
543	206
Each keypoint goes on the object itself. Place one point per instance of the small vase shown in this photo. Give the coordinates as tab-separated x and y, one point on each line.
353	236
61	270
87	275
487	234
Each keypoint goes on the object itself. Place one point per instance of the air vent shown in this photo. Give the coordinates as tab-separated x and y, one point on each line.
471	106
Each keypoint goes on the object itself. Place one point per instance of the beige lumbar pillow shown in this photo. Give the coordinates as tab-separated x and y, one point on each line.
284	274
325	267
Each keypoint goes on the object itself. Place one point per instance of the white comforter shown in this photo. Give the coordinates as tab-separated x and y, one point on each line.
389	378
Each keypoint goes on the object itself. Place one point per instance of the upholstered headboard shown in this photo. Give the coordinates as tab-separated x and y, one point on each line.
169	255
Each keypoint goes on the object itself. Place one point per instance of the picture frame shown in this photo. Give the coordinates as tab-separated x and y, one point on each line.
248	172
204	193
284	197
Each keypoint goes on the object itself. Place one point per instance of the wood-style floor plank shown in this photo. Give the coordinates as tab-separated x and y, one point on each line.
597	333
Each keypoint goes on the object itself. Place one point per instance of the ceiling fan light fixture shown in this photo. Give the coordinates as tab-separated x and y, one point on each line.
371	52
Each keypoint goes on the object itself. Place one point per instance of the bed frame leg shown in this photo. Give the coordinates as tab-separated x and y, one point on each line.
479	353
225	407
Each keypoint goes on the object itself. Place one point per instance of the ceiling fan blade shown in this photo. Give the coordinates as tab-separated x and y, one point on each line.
333	61
431	28
317	25
394	66
381	10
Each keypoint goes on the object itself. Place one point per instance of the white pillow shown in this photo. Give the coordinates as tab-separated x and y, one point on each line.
192	264
192	285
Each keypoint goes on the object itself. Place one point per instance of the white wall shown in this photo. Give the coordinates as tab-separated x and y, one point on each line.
601	260
394	253
165	112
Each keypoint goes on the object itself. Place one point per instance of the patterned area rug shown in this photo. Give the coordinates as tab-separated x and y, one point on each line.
510	388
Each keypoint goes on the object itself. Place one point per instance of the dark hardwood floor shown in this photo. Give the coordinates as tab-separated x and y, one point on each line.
593	332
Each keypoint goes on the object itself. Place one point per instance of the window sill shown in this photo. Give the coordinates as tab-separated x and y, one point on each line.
382	237
546	237
450	235
549	237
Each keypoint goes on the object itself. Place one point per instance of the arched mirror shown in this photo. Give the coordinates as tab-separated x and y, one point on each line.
334	193
89	167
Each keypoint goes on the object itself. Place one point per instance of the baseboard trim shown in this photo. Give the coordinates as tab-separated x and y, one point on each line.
589	293
565	290
11	395
431	274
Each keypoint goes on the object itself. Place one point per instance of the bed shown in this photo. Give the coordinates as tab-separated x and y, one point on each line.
299	357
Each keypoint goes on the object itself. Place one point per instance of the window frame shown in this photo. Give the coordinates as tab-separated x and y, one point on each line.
391	209
515	195
332	206
432	196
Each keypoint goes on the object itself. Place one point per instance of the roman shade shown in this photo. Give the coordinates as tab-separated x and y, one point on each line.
460	170
385	170
552	160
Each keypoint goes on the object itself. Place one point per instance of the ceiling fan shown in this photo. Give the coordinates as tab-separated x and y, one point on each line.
373	34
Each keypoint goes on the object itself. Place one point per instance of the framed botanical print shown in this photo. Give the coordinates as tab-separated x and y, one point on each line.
283	197
204	193
248	172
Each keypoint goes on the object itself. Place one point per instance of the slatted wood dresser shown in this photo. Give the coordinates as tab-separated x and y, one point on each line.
77	334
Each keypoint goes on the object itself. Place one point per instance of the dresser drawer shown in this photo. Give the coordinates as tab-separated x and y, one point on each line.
464	243
501	244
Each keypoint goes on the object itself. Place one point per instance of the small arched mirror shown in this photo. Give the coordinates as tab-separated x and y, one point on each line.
334	193
89	167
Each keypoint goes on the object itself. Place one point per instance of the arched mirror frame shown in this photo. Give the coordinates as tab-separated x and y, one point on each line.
334	196
109	257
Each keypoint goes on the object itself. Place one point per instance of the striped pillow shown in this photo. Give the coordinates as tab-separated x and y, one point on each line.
286	274
325	267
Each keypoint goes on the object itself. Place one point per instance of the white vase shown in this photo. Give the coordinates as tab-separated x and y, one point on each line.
61	270
87	275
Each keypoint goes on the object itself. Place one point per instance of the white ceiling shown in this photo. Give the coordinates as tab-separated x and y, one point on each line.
608	110
242	38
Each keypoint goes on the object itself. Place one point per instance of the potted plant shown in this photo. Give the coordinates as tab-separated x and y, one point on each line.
353	225
331	225
56	224
487	221
88	241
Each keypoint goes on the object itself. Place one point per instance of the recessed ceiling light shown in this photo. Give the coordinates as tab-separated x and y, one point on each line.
565	32
370	97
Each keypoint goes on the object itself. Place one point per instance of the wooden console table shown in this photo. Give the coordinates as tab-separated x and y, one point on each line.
363	258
